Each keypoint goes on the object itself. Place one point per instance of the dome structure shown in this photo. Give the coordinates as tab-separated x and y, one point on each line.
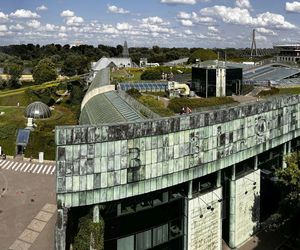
37	110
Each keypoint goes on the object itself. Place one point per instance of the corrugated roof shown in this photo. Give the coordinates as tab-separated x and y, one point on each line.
108	107
101	79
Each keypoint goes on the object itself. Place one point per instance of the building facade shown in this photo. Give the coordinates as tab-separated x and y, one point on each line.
216	81
184	182
288	53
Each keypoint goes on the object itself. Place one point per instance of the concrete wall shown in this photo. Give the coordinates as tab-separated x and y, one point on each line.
244	216
103	163
205	225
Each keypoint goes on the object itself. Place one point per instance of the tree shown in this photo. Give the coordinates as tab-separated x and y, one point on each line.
289	179
75	65
45	71
15	72
203	55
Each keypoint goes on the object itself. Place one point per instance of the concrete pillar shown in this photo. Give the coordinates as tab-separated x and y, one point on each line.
96	219
284	152
60	229
96	214
190	194
255	162
219	178
232	205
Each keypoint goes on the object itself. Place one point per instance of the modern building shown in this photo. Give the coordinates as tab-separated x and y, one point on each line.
216	80
183	182
288	52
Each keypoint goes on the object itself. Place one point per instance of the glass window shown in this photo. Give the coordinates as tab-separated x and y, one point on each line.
160	235
143	240
126	243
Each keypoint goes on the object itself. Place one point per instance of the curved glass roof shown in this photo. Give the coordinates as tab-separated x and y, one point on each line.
37	110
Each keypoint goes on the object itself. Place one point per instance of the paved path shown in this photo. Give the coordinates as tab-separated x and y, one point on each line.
35	227
28	167
27	210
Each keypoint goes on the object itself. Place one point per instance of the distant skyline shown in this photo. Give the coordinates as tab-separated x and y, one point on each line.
145	23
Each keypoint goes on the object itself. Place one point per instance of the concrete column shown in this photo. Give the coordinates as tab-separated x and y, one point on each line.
289	147
284	154
96	214
255	162
60	229
219	176
232	212
96	219
190	194
185	218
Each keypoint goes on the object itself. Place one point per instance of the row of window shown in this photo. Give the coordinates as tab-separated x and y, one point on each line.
153	237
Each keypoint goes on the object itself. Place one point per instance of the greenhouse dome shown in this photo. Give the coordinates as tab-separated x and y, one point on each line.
37	110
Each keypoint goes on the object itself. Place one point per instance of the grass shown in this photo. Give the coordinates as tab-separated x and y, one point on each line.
42	138
155	105
280	91
127	75
10	122
176	104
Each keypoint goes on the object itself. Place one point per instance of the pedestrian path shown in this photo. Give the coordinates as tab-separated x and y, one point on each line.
28	167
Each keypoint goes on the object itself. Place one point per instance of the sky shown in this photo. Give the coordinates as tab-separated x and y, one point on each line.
145	23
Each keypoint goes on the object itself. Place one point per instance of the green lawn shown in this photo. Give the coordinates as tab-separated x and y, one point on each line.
127	75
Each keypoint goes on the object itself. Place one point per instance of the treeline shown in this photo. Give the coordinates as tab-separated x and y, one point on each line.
30	54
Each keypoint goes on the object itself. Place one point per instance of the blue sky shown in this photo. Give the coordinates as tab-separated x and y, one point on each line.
166	23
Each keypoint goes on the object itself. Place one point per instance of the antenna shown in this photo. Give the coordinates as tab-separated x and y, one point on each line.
253	45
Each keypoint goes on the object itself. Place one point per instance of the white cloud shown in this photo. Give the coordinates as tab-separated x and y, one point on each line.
71	19
183	15
33	24
124	26
153	20
21	13
266	31
116	10
188	32
190	2
3	17
243	17
213	29
3	28
74	21
62	35
185	22
67	13
16	27
292	7
109	29
41	8
244	4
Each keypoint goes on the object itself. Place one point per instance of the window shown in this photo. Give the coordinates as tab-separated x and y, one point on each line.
126	243
160	235
143	240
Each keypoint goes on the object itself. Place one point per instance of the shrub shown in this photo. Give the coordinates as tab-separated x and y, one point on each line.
272	91
176	104
134	93
151	74
155	105
86	228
